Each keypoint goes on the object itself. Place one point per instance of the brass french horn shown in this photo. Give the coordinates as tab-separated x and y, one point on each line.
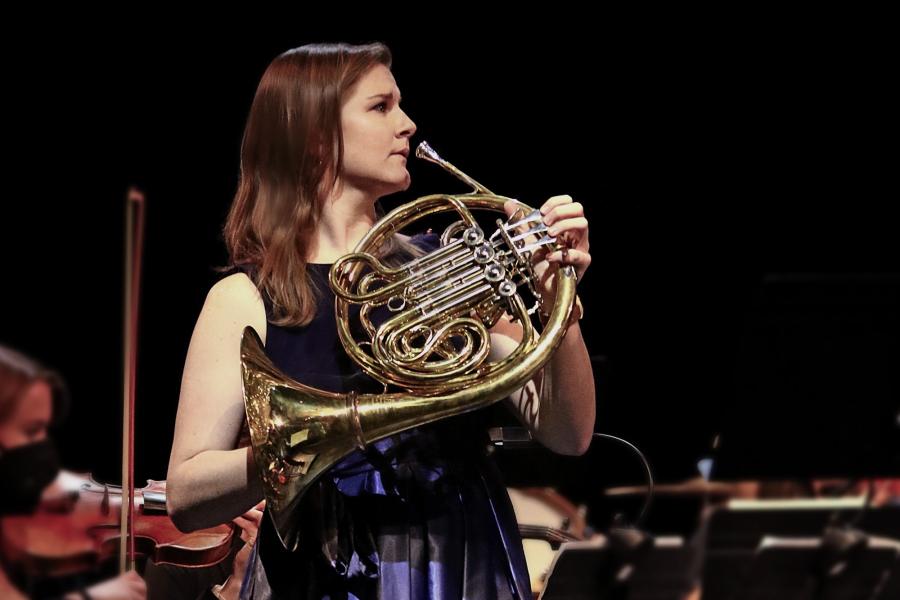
433	348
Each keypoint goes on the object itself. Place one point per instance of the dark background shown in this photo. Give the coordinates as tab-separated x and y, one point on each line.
707	155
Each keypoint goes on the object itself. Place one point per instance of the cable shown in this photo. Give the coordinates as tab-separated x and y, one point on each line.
640	454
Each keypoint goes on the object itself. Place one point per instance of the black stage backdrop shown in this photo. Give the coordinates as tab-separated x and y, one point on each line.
706	156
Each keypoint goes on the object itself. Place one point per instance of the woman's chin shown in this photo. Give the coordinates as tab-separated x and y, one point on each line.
399	186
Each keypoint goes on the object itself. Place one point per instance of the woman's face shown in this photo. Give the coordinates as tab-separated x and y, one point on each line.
376	135
30	418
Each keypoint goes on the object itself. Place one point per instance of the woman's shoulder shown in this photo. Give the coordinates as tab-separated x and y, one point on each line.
235	297
235	284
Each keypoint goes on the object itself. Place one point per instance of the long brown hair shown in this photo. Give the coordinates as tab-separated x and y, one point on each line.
290	156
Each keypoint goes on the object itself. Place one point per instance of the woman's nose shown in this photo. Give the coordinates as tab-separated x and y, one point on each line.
409	127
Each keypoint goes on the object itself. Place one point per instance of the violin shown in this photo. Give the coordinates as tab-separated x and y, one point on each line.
80	524
76	529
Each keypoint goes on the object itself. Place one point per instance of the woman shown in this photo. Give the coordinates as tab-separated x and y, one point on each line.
418	515
32	398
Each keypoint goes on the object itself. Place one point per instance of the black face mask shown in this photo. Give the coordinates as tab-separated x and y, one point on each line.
25	471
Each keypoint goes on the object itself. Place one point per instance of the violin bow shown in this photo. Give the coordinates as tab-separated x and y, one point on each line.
134	241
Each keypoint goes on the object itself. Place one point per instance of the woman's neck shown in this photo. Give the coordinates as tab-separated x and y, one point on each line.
346	218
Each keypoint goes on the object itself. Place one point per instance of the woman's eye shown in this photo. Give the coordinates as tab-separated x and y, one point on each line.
381	106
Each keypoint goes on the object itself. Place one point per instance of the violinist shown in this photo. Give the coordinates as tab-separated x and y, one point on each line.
32	400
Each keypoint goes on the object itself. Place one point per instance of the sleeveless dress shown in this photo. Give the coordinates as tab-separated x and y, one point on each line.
423	514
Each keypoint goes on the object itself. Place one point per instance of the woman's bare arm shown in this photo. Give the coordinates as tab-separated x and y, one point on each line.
209	482
558	405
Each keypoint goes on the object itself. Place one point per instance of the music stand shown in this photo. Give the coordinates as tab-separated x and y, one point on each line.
794	568
737	534
669	570
596	570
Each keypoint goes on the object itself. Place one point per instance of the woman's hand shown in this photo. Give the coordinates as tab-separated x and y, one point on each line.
566	222
249	523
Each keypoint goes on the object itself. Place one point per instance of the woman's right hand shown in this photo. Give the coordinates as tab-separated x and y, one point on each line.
249	523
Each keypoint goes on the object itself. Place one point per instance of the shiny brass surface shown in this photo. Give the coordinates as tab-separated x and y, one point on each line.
432	350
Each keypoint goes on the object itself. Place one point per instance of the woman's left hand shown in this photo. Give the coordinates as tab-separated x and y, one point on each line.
566	221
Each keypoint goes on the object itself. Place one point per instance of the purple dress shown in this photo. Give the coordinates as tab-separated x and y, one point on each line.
422	514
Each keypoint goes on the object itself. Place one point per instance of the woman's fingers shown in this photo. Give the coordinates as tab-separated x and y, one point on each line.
565	211
249	522
577	229
555	201
577	258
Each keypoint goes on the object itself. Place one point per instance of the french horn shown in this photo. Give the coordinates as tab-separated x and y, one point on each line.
432	349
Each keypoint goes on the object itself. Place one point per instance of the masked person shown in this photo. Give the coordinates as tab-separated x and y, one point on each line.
33	399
